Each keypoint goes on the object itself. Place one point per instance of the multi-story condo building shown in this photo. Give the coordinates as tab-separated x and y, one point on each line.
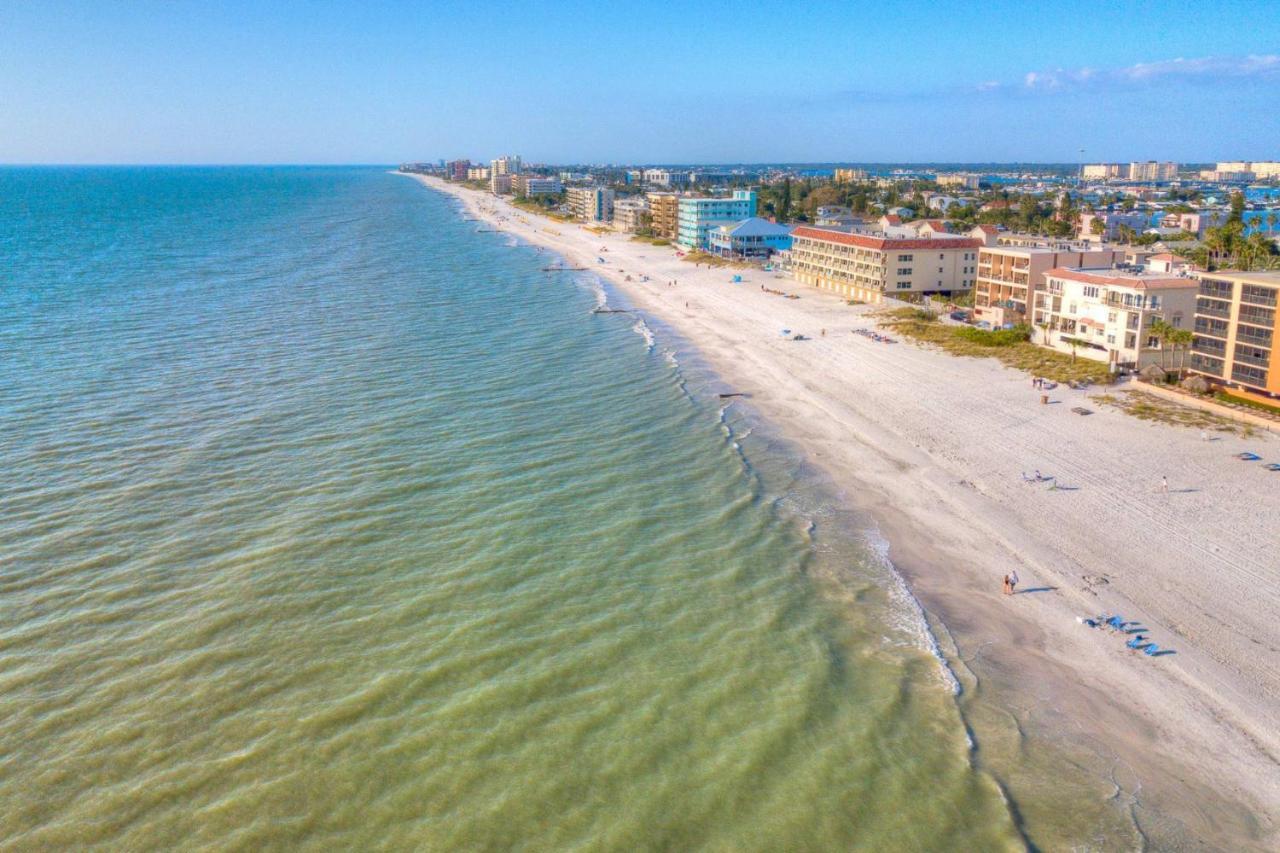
591	204
697	216
850	176
1219	177
478	173
1103	171
1009	276
667	178
1153	171
1108	312
508	165
958	179
630	214
530	185
1194	223
1266	169
456	170
499	184
1236	330
1234	166
664	214
867	266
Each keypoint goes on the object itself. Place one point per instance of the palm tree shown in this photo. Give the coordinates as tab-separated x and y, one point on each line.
1272	219
1160	330
1181	340
1074	343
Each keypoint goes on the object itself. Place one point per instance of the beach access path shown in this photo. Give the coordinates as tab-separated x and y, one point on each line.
934	448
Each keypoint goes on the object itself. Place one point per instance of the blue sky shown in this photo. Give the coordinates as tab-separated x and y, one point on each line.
381	82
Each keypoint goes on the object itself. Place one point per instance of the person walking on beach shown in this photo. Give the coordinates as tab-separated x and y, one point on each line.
1013	582
1008	587
1164	484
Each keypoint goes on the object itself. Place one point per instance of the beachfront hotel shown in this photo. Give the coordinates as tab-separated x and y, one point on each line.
1009	277
591	204
1151	171
664	214
867	266
696	217
849	176
1108	312
1235	331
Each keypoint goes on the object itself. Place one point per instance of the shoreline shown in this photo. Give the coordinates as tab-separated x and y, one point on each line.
1183	745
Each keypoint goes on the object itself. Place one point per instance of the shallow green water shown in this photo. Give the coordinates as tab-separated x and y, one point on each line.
330	522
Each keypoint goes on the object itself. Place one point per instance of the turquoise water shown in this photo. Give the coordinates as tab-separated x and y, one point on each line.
330	522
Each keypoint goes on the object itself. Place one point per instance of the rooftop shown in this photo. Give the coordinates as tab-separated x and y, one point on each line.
1269	278
868	241
1114	277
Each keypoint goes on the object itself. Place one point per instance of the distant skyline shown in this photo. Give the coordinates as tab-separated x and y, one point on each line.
570	82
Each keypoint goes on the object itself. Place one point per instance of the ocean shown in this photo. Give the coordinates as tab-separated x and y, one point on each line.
330	522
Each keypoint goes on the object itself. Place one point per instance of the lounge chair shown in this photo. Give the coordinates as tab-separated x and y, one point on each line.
1151	650
1116	622
1272	466
1136	641
1248	457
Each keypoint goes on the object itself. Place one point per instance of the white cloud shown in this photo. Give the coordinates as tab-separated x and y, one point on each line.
1142	73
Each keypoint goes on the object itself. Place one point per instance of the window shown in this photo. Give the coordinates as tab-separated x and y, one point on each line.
1152	343
1176	322
1111	339
1111	316
1091	292
904	285
905	257
904	270
939	269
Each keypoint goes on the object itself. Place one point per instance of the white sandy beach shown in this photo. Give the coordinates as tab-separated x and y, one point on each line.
933	446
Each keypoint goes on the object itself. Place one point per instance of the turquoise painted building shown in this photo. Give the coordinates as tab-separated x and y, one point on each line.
695	217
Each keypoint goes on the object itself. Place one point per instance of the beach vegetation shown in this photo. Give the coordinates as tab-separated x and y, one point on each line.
651	240
1011	347
1148	407
1232	400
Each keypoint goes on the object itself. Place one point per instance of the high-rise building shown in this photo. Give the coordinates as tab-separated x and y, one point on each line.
630	214
456	170
505	166
1103	171
531	185
850	176
1152	171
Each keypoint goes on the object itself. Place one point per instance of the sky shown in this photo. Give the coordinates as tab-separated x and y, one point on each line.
638	82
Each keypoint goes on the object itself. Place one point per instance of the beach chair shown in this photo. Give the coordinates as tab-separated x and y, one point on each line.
1151	650
1116	622
1248	457
1272	466
1136	641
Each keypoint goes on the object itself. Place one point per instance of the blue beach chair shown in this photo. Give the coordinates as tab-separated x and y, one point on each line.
1272	466
1151	650
1248	457
1136	641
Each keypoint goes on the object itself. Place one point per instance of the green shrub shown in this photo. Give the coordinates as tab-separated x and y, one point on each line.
995	337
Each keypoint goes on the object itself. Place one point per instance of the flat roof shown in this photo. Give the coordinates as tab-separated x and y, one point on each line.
867	241
1270	278
1120	278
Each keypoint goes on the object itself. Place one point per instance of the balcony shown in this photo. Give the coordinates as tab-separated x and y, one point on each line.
1252	295
1250	358
1211	328
1213	309
1250	335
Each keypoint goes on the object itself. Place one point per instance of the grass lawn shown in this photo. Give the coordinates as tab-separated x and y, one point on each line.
699	257
1010	346
652	241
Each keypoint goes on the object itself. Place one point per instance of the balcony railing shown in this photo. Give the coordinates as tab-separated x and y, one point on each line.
1250	358
1256	337
1212	310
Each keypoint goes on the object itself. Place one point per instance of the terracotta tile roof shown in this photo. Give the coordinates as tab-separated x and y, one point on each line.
1120	280
893	218
867	241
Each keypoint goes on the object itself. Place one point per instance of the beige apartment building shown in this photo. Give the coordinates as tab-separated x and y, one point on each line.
664	215
590	204
867	267
1236	330
850	176
630	214
1103	171
1010	276
1153	171
1108	312
968	182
